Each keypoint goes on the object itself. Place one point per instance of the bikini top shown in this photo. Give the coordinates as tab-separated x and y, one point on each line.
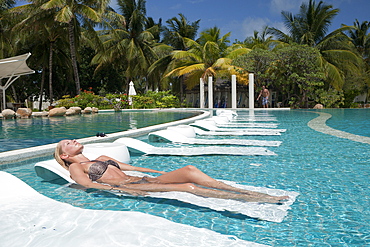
97	169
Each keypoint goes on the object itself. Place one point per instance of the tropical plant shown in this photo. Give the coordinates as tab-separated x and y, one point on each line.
206	59
72	12
296	74
259	40
6	39
128	45
310	27
177	30
46	34
360	37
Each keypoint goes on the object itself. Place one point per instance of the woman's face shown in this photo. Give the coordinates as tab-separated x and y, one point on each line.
71	147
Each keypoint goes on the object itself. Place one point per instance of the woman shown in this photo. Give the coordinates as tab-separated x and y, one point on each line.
109	175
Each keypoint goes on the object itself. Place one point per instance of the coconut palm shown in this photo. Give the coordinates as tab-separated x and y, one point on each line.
260	40
6	42
310	27
128	44
46	34
204	59
73	12
360	37
177	30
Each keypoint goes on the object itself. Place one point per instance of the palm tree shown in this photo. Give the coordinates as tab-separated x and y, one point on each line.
46	34
128	44
310	27
260	40
177	30
6	42
360	37
208	58
72	12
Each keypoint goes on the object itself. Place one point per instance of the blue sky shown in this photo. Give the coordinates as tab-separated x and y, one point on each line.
242	17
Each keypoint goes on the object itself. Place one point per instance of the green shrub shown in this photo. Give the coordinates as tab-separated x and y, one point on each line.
121	101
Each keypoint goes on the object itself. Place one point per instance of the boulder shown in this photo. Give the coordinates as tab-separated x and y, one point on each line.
95	110
55	112
318	106
8	113
77	109
70	112
40	114
24	112
87	110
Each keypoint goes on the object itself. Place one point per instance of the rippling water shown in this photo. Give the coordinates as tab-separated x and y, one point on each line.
23	133
331	174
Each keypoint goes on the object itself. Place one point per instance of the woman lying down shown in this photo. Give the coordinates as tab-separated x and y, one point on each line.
109	175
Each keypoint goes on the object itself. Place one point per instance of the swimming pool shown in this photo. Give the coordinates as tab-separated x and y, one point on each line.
330	173
24	133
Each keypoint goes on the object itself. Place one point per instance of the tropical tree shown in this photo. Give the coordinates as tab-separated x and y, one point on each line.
76	13
128	45
260	40
359	35
206	58
177	30
6	42
46	34
310	27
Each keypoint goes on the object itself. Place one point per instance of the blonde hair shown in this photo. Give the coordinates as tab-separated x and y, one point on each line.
58	151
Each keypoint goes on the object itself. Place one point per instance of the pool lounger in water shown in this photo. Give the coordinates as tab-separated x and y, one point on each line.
210	125
137	147
49	170
32	219
224	122
170	135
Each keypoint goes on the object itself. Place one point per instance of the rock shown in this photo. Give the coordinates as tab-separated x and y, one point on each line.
70	112
95	110
24	112
77	109
55	112
8	113
87	110
40	114
318	106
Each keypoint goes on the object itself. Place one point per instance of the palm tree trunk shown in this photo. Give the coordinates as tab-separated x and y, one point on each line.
73	56
42	87
51	72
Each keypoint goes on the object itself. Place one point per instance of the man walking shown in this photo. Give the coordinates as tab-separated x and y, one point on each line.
265	93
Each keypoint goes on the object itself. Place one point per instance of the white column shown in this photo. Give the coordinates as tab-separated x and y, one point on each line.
251	91
210	92
201	93
233	92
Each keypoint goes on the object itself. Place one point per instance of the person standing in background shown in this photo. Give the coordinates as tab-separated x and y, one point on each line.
265	93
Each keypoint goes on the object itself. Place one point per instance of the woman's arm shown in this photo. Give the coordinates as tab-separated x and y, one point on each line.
126	167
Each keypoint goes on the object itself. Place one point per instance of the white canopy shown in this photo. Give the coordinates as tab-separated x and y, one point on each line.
13	68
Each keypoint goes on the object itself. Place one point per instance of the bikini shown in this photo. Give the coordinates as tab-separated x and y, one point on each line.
97	169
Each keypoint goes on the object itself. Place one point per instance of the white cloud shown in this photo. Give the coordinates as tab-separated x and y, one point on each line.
276	6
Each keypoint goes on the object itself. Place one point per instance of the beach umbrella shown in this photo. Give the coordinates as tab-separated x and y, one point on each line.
131	92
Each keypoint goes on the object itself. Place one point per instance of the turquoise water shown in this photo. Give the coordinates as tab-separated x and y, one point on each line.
331	174
24	133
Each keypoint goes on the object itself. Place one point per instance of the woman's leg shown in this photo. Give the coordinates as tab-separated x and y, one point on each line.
191	188
191	174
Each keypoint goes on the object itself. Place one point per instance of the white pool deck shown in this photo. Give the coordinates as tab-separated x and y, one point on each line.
31	219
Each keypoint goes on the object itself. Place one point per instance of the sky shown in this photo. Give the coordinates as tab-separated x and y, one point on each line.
242	17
